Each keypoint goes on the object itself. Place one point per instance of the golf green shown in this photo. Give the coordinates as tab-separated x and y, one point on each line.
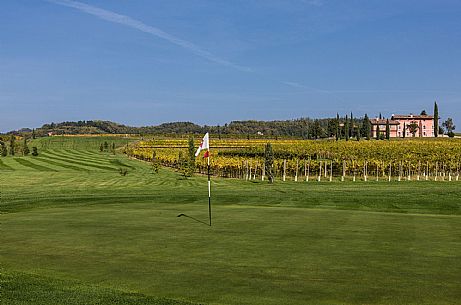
75	231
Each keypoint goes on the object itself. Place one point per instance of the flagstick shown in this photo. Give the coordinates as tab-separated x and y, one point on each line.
209	191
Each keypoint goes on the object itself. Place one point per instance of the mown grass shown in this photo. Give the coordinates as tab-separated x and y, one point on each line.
33	165
62	165
96	237
21	288
3	166
81	142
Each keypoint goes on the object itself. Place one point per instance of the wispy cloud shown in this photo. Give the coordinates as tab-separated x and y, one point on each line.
140	26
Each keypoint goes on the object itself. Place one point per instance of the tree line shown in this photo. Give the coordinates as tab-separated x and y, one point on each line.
339	127
9	145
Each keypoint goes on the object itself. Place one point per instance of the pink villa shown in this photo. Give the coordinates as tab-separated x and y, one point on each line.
398	125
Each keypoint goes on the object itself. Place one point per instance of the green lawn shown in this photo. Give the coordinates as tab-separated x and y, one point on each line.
74	231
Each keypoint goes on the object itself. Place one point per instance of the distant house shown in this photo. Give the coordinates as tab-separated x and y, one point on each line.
425	125
399	126
381	124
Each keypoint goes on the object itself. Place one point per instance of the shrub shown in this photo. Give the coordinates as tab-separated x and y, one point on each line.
123	171
34	151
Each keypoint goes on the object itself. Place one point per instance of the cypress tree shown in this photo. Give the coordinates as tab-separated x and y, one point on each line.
388	130
33	134
12	140
367	127
338	135
404	130
346	128
357	134
436	119
352	126
34	151
378	132
25	148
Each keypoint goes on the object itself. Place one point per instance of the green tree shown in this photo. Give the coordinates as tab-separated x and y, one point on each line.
331	128
190	168
351	126
388	130
106	146
155	162
378	131
366	127
101	147
33	134
358	135
4	150
12	144
338	134
182	163
436	119
317	129
34	151
449	126
346	129
25	148
423	112
269	162
413	128
404	130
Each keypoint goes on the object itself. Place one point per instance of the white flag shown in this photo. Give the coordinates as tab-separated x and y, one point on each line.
204	145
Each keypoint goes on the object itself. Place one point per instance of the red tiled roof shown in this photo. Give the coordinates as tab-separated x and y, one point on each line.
412	116
383	122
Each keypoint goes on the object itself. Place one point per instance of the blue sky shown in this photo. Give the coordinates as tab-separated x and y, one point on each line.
144	62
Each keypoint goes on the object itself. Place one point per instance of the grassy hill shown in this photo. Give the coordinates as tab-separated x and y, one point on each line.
75	231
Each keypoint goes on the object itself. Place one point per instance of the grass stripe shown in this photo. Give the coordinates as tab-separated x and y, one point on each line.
63	154
63	165
79	156
106	159
3	166
119	163
38	167
70	160
82	156
110	158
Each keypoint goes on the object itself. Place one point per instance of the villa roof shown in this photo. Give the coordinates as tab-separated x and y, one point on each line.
383	122
412	116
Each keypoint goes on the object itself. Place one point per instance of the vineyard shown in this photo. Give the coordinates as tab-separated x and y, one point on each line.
300	160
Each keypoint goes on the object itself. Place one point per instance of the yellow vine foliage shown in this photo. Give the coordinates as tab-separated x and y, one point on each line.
233	157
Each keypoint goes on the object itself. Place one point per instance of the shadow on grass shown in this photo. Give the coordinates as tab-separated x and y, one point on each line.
194	219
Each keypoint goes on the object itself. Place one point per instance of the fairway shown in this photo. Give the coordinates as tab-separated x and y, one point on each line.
75	231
